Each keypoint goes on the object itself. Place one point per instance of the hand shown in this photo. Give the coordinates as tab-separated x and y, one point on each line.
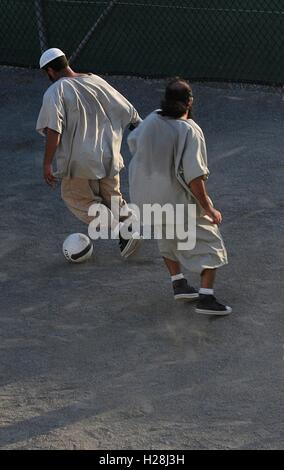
214	215
48	175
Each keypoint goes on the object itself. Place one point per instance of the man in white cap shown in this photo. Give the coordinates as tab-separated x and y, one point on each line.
83	119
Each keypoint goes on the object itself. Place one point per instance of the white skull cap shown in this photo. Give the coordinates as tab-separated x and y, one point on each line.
50	55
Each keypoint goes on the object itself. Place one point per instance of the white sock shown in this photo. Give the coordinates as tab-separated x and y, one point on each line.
204	291
177	277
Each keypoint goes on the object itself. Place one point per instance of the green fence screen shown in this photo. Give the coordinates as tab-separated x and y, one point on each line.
239	40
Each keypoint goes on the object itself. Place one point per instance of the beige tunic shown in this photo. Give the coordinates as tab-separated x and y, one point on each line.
167	155
91	117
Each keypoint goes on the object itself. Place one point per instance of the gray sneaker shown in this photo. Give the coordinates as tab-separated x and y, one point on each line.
182	291
208	305
129	247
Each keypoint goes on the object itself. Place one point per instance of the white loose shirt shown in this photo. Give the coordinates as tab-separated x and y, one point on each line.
91	117
167	155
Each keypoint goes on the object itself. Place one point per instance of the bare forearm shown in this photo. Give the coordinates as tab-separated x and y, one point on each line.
52	142
198	189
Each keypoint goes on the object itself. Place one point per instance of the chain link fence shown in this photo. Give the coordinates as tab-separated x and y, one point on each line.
238	40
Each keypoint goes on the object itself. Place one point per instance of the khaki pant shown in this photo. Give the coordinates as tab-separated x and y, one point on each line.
79	194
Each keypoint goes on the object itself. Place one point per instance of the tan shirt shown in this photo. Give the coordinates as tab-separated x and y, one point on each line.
167	155
91	117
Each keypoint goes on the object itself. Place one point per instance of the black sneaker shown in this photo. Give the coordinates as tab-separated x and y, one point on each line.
182	291
129	247
208	305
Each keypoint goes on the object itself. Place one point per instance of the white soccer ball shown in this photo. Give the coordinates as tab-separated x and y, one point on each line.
77	248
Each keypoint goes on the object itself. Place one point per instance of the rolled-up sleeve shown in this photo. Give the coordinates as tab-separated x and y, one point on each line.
194	158
52	114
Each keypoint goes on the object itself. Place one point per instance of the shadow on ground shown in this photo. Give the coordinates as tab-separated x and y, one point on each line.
99	356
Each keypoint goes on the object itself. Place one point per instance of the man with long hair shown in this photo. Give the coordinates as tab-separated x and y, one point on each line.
169	166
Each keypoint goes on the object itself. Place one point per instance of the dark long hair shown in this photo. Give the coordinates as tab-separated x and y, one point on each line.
177	96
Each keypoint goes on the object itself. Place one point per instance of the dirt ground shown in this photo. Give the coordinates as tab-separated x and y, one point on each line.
98	355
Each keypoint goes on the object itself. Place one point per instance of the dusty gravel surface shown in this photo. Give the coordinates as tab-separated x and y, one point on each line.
99	356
